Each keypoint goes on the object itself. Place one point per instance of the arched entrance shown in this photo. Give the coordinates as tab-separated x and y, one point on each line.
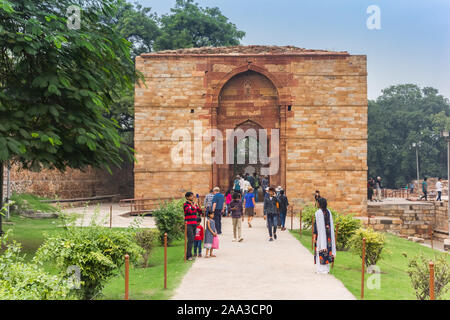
249	100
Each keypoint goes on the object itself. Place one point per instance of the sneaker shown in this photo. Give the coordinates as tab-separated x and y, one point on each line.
190	259
200	255
234	240
270	239
241	239
275	236
195	255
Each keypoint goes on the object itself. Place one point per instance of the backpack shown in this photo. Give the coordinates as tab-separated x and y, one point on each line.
237	186
256	183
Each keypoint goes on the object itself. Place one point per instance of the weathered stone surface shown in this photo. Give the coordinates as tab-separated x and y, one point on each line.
317	99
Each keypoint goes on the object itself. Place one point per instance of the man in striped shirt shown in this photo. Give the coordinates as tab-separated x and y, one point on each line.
191	211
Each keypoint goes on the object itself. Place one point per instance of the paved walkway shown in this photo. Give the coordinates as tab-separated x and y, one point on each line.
258	269
100	212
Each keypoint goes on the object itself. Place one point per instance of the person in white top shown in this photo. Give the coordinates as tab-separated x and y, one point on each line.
247	185
439	189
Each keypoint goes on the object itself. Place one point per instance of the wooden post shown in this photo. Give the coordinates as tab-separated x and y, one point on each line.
165	260
335	239
301	214
110	217
363	267
185	241
127	276
431	236
431	280
292	219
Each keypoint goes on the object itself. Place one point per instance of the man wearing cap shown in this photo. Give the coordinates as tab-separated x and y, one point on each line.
218	208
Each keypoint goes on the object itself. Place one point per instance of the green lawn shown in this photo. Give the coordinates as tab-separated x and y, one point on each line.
395	282
148	283
30	232
145	284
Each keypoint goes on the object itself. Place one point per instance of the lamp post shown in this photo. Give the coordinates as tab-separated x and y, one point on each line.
416	145
446	135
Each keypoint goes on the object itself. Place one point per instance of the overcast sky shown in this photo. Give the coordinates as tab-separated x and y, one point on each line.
412	46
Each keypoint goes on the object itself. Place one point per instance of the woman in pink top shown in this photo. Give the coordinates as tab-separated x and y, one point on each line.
228	199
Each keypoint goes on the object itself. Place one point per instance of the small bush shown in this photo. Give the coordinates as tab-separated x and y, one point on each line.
147	239
170	219
97	251
419	273
375	242
20	280
308	213
347	228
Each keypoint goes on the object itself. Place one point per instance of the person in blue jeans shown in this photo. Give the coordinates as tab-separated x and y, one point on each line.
284	203
218	207
271	210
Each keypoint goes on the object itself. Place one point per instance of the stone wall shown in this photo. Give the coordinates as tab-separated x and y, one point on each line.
320	110
73	183
413	219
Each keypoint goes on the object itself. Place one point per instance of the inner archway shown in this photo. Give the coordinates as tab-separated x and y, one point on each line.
249	100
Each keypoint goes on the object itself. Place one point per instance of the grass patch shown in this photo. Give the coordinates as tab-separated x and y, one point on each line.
32	202
395	282
145	284
30	232
148	283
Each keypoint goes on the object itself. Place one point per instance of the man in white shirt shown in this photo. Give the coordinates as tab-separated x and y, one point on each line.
439	189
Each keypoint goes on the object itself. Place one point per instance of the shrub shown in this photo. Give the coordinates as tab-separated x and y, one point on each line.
419	273
146	239
308	213
170	219
97	251
347	228
374	245
20	280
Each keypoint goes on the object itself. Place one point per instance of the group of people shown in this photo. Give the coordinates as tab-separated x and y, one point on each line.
374	186
275	210
425	189
235	204
242	184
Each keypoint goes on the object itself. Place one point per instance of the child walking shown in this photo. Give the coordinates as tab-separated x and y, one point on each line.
199	235
210	233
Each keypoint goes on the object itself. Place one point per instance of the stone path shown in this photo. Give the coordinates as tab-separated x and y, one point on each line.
101	214
258	269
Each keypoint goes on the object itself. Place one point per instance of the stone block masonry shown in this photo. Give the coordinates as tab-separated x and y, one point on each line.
73	183
317	100
415	219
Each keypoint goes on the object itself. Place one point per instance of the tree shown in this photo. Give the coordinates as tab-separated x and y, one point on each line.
189	25
57	83
403	115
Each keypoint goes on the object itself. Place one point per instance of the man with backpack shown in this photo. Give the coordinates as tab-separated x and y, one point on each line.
237	184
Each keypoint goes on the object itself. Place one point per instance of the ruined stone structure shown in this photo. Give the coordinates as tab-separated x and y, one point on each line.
316	99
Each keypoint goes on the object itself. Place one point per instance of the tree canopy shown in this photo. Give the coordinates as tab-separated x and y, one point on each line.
403	115
56	84
189	25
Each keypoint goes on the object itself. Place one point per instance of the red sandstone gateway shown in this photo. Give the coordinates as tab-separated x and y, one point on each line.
317	100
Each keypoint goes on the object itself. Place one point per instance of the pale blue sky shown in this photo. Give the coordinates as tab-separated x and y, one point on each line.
413	45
